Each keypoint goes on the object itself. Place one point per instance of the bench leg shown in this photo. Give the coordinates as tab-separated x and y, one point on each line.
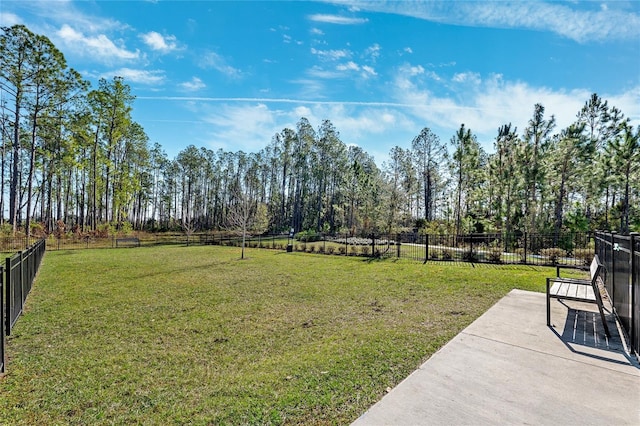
602	316
548	305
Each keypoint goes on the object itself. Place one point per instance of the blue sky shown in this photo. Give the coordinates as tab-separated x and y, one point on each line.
232	74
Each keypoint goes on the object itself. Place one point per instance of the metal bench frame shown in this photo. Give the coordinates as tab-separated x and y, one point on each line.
578	290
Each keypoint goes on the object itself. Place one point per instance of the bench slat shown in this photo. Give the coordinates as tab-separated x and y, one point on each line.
590	294
574	291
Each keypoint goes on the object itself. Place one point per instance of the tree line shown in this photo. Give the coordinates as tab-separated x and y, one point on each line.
73	160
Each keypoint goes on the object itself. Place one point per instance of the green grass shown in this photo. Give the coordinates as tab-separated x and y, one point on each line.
173	335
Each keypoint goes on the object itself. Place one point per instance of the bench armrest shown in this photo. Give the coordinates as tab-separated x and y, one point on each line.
558	267
570	281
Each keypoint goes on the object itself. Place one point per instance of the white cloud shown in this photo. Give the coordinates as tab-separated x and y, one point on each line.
244	127
157	41
335	19
98	47
316	31
217	62
373	51
484	104
467	77
408	50
349	66
332	55
565	19
628	102
9	19
138	76
368	71
193	85
318	72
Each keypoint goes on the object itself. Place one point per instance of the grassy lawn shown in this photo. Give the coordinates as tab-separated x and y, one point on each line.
173	335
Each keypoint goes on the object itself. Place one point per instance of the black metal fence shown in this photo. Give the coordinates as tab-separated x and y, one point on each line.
570	249
574	249
620	255
2	330
17	278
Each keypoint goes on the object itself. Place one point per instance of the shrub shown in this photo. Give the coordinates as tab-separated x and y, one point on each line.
342	249
307	236
520	253
433	255
553	254
321	249
470	256
495	254
584	255
365	250
446	254
37	230
330	249
494	251
6	229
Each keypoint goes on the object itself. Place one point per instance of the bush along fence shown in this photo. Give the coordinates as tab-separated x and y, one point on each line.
16	279
620	255
531	249
570	249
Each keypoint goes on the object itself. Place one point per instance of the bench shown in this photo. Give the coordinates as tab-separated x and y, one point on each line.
127	242
578	290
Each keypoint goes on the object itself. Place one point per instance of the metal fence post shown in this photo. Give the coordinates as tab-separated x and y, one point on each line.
373	245
635	309
426	248
524	259
7	318
613	267
346	245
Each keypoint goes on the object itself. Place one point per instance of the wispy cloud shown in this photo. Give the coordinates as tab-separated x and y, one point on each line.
138	76
192	85
99	46
485	103
373	52
242	126
212	60
9	19
336	19
333	55
364	71
158	42
570	20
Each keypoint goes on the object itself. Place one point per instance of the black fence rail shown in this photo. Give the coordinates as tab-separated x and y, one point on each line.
574	250
20	272
18	275
620	255
570	249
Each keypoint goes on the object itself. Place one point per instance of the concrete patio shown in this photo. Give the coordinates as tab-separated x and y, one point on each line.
508	367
